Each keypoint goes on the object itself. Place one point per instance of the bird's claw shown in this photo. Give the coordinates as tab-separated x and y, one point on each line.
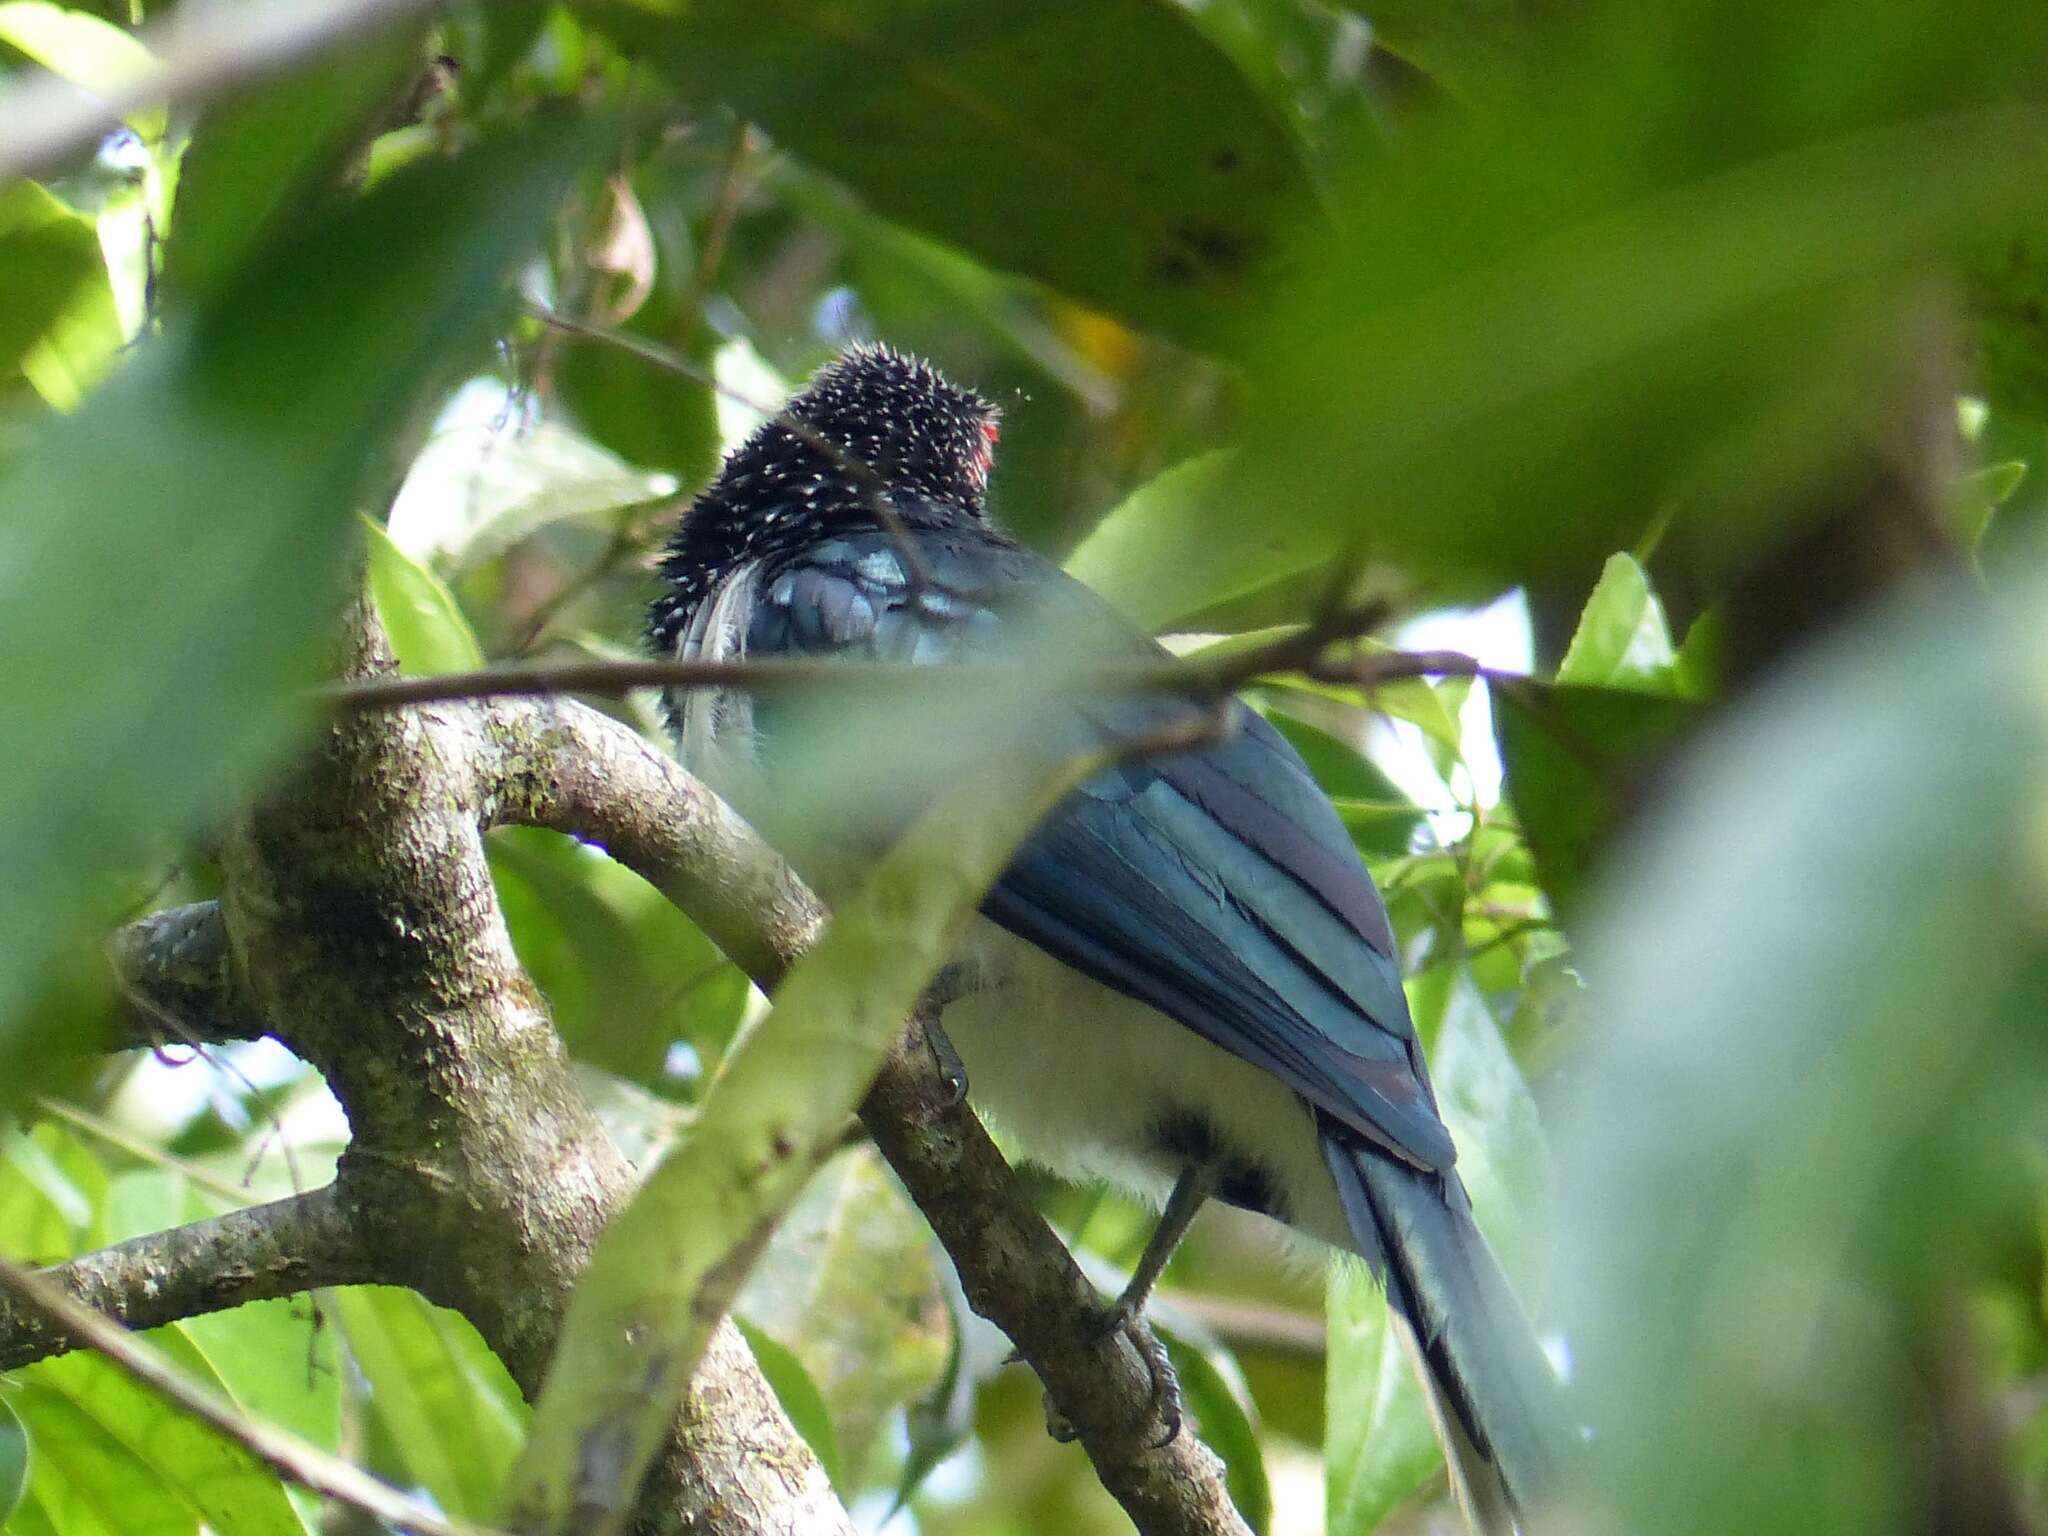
1166	1405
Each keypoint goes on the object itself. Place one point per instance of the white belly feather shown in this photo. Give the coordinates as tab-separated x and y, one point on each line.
1079	1077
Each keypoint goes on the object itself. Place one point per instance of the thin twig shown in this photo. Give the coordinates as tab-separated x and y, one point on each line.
142	1150
717	232
278	1449
615	677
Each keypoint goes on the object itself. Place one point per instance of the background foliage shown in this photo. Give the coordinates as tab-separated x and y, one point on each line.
1639	349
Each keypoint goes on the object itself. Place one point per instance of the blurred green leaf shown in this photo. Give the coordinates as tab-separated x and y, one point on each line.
13	1459
1464	45
453	1416
799	1396
51	1187
1378	1446
1608	295
187	529
1977	495
1220	1404
1816	1057
423	621
259	156
1015	133
1160	557
622	969
1622	640
56	282
83	49
479	488
2008	290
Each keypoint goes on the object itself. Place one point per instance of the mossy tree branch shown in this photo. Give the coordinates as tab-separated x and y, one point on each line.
360	928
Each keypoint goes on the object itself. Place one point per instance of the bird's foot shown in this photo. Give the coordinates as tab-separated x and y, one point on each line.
1165	1403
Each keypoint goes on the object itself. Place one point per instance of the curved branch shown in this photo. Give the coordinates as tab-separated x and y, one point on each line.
559	764
258	1254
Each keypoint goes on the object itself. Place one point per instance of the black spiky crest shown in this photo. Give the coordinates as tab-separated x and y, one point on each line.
896	432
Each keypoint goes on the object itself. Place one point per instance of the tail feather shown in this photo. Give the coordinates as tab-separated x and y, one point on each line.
1496	1400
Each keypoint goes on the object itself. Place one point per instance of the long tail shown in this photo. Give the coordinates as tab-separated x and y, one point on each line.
1498	1404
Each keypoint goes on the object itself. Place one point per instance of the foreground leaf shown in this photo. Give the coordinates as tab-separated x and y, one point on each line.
1812	1076
188	529
669	1265
1015	132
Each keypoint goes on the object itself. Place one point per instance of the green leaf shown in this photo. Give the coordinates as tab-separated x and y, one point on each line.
2008	293
847	1285
13	1459
478	489
453	1416
799	1396
1974	497
1378	1447
56	282
625	973
208	604
1015	132
51	1187
1502	365
260	155
1622	640
1465	45
83	49
1220	1404
1576	763
424	622
1159	559
111	1443
1796	1129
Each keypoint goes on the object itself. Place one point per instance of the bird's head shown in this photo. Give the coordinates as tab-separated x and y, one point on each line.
900	418
880	437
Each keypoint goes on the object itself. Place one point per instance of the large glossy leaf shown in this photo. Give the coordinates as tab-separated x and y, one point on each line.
106	1445
421	617
1103	146
1168	551
451	1414
188	529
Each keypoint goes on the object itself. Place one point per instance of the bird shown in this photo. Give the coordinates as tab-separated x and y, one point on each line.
1184	983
